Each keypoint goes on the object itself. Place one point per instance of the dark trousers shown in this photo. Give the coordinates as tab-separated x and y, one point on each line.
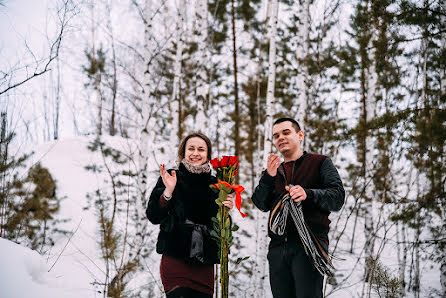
186	293
291	273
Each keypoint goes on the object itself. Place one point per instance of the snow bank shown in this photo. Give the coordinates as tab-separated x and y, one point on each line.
24	273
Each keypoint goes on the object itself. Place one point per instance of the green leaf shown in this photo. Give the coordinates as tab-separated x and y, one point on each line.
227	233
214	234
216	228
235	228
222	196
226	189
217	201
227	222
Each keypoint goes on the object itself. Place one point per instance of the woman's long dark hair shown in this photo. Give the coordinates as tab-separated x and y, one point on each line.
182	147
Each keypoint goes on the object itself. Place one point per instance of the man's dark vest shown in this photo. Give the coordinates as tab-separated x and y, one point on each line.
306	173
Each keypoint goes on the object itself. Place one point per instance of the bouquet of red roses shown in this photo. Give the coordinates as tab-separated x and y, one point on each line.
226	171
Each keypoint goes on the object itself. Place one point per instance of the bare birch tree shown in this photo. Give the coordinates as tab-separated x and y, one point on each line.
443	94
146	101
97	76
201	76
262	217
114	75
175	101
369	109
58	100
303	71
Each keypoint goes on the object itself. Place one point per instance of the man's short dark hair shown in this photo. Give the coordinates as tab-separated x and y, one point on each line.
293	122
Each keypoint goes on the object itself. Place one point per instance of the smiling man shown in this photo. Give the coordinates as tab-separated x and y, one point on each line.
317	185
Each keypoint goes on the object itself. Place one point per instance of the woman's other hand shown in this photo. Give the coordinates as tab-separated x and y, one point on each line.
169	180
229	203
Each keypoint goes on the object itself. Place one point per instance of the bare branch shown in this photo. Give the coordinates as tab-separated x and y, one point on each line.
65	13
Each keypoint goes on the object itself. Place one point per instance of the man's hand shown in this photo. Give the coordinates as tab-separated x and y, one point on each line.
297	193
272	164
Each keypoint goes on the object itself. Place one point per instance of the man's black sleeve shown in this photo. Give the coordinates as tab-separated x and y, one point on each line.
263	196
332	195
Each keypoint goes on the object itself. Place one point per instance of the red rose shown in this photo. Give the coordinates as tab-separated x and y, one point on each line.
224	161
215	163
233	160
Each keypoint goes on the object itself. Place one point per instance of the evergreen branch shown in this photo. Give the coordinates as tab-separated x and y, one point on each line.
434	34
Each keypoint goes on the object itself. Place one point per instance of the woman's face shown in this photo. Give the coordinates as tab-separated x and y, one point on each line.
196	151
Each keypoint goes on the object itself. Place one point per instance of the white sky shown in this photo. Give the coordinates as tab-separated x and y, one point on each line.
20	21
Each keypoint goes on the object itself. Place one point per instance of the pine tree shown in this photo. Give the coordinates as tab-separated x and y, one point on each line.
427	126
28	205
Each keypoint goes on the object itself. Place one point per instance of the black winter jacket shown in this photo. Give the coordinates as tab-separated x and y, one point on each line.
322	184
189	211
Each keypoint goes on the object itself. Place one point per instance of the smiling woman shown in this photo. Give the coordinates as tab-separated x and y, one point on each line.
195	148
183	204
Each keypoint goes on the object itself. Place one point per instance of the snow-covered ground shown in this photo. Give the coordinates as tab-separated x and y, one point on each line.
74	268
24	273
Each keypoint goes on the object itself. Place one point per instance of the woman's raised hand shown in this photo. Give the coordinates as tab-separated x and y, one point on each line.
169	180
229	203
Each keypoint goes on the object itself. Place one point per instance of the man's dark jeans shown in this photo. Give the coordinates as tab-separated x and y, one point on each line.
291	273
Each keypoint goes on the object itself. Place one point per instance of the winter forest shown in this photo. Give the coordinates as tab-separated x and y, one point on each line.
95	94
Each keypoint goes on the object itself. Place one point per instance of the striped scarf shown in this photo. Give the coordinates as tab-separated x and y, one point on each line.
313	249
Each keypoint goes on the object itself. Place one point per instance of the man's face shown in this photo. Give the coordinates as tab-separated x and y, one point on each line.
286	139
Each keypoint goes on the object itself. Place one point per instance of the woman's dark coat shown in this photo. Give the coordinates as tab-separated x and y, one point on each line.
188	213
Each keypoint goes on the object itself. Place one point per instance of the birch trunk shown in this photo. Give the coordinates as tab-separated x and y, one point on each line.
202	88
415	285
261	217
112	125
416	278
400	238
145	103
57	111
443	94
175	101
236	100
303	75
369	112
97	76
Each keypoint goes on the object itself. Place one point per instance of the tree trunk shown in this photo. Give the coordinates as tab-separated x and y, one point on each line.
236	101
303	72
112	124
57	110
262	217
175	101
202	88
370	81
443	94
96	76
145	104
